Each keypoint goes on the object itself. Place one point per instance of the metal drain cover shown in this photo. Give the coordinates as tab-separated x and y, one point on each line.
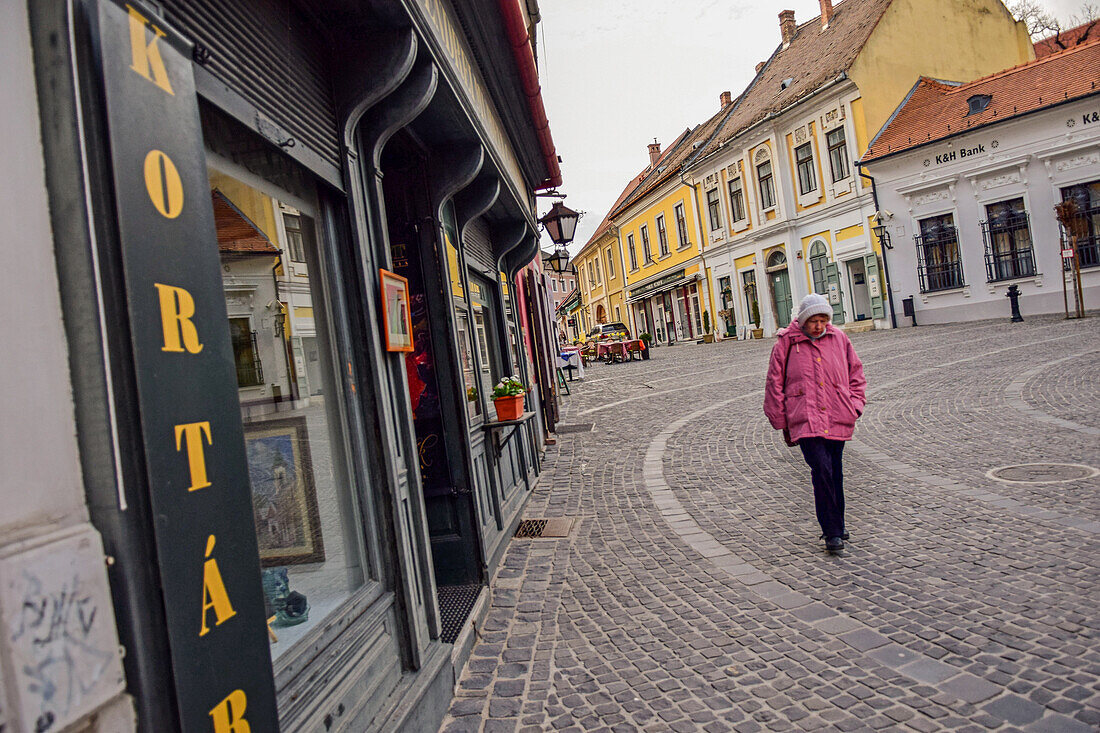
545	528
580	427
1042	473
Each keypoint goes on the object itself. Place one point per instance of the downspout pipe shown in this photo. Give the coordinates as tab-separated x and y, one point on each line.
516	28
885	262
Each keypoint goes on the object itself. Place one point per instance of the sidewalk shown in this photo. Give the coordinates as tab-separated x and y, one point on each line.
693	592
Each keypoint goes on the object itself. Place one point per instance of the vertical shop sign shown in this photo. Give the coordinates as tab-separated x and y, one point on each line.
186	383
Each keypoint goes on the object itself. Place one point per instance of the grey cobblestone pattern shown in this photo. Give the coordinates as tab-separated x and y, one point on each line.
694	593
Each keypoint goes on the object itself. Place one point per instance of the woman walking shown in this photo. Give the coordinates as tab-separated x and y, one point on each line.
814	394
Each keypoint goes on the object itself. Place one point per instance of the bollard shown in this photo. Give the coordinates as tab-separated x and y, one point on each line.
1013	295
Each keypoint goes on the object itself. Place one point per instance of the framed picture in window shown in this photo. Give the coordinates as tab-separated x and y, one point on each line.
284	499
396	316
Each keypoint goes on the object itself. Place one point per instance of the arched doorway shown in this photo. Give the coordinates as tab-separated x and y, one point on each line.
780	282
601	314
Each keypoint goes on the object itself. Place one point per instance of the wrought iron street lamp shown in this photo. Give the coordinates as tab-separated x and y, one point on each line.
560	223
883	235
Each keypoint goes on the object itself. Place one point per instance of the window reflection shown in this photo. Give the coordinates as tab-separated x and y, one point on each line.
304	505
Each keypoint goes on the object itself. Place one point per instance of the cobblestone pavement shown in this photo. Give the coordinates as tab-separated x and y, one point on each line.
694	592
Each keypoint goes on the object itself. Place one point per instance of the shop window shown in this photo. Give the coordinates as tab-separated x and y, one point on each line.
633	254
681	227
646	252
304	499
819	261
767	185
485	335
1008	251
737	200
838	154
713	209
1087	221
662	236
939	265
804	161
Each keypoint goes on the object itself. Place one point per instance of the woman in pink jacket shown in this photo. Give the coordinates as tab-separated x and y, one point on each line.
815	393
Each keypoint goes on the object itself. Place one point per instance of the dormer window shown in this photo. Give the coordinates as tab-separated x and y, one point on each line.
978	103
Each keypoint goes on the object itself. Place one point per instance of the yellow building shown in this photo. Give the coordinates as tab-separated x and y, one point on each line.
660	236
785	211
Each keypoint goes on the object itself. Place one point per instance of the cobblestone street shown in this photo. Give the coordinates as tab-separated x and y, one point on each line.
694	593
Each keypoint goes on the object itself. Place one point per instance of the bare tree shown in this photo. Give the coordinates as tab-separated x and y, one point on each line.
1040	22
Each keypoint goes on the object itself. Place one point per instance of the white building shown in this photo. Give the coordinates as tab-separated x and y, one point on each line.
971	174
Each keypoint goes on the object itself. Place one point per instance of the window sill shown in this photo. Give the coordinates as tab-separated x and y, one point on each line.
964	290
1037	278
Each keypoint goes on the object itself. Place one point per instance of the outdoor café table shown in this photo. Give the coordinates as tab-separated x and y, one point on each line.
571	359
611	349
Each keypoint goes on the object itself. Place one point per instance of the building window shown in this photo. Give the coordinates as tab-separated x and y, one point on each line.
1008	253
681	227
838	154
662	236
633	254
250	373
610	265
767	185
1087	221
294	245
647	255
819	260
804	160
713	209
591	275
599	278
554	285
939	264
737	200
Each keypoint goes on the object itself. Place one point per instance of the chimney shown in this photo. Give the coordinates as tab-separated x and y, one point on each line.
826	13
654	152
725	99
760	66
787	26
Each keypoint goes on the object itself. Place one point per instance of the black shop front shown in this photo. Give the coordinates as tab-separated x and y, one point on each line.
303	507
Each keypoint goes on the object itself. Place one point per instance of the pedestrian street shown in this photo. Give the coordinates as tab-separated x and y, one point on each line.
693	591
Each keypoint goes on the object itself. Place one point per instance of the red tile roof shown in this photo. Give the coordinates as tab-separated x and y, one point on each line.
813	59
1060	41
935	109
236	232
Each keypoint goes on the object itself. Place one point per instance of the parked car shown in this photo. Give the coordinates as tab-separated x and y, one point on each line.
607	329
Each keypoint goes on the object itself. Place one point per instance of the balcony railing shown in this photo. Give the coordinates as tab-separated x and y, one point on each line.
1008	251
938	264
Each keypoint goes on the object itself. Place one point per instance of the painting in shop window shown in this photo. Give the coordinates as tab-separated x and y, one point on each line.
396	316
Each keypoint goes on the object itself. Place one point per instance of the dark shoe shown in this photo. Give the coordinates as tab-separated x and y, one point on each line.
843	535
834	545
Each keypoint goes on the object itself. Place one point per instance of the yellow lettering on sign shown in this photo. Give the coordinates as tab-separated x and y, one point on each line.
196	459
163	184
145	54
228	714
215	597
177	308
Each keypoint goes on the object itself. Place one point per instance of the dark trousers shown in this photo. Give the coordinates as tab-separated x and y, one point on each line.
824	458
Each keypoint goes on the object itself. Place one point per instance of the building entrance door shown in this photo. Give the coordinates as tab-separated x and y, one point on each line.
834	293
780	281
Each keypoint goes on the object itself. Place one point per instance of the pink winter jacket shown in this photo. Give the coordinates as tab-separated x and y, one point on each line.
822	393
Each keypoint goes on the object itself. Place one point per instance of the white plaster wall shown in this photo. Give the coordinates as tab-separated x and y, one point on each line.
49	553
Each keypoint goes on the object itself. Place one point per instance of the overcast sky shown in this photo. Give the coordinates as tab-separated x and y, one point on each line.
617	74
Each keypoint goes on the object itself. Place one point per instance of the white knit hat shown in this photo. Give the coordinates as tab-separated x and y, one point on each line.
813	305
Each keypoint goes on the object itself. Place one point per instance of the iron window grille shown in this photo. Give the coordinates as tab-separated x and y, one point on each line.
1086	220
250	372
1008	251
662	236
681	226
767	185
938	263
804	157
712	209
838	154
